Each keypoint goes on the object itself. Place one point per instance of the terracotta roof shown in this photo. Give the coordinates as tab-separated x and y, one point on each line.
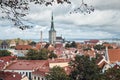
58	45
51	48
41	71
102	64
38	46
92	41
116	66
67	70
114	55
89	53
59	60
27	64
12	42
23	47
10	76
5	60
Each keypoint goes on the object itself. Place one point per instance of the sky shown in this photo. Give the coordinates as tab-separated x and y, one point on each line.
104	22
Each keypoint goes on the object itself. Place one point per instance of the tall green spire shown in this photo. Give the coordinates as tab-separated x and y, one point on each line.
52	22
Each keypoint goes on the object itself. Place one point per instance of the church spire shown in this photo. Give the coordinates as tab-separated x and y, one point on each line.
52	22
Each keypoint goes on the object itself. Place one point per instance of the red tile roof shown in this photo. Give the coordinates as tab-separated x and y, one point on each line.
41	71
114	55
10	76
23	47
59	60
89	53
27	64
5	60
67	70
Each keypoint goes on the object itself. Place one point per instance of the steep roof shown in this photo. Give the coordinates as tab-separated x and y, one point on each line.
4	43
114	55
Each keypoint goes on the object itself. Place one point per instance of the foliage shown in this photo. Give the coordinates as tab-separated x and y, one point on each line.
32	43
71	45
4	53
110	47
43	54
86	49
67	45
84	68
32	54
16	10
84	8
112	74
37	55
99	47
57	73
52	55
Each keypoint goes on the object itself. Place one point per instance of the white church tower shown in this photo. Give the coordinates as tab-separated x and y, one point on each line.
52	32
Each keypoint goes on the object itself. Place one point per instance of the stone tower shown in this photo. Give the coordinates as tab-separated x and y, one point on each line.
52	32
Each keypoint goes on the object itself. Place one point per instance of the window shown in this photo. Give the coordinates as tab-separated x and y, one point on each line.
38	78
30	75
34	77
26	74
42	78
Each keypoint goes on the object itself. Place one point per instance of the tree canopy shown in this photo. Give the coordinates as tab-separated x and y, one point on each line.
71	45
4	53
57	73
37	55
84	68
112	74
15	10
52	55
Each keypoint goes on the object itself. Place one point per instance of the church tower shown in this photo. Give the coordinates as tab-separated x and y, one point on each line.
52	32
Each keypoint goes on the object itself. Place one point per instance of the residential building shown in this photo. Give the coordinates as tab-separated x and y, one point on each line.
4	45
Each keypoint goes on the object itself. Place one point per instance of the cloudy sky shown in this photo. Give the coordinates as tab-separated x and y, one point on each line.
104	22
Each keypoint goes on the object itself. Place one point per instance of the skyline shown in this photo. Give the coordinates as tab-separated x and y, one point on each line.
103	23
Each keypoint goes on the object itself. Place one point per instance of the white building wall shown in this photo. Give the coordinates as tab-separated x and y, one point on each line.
28	73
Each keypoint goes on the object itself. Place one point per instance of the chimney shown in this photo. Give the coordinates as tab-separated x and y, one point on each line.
14	75
41	36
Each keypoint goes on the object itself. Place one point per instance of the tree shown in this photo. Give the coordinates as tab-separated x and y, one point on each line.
43	54
15	10
57	73
32	54
112	74
99	47
52	55
32	43
84	68
37	55
4	53
67	45
73	44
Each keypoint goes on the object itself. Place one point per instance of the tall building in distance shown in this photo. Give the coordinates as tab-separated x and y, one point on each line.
52	32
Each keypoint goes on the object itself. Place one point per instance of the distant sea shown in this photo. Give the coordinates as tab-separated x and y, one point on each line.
82	40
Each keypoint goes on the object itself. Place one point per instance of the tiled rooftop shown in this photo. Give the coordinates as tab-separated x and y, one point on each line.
114	55
27	64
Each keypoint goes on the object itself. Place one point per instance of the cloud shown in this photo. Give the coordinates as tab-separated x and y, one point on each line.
103	23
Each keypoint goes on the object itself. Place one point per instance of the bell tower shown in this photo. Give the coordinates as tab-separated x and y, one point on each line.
52	32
